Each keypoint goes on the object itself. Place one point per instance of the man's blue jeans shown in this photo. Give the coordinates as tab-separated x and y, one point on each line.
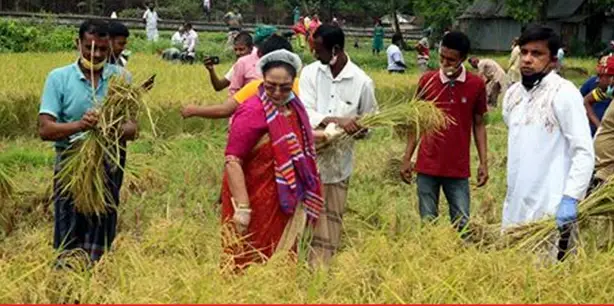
456	192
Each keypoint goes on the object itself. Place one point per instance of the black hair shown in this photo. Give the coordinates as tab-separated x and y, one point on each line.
457	41
279	64
244	38
94	26
274	43
188	25
397	37
118	29
541	33
331	36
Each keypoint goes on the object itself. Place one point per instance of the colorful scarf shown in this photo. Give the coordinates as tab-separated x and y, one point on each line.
296	171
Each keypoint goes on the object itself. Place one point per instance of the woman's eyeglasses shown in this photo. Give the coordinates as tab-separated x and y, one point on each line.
283	88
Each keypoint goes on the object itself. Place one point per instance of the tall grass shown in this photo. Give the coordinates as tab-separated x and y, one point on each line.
168	248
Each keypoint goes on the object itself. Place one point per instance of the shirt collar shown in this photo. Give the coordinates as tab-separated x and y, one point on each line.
347	72
550	78
461	78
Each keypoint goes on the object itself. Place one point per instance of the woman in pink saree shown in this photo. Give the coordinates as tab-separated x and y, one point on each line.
271	188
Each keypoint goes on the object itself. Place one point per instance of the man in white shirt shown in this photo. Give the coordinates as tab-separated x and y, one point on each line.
151	22
334	91
396	63
550	150
190	43
178	38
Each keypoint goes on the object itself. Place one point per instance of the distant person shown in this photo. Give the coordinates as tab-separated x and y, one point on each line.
177	41
234	20
190	43
334	91
423	53
296	14
243	45
602	80
313	26
396	63
550	155
66	113
493	75
378	38
461	95
300	31
178	37
604	145
207	9
151	22
118	35
513	70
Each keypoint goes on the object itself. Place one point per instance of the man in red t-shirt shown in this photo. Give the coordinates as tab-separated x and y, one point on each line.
443	158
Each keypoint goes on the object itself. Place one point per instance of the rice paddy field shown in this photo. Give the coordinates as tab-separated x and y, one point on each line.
168	247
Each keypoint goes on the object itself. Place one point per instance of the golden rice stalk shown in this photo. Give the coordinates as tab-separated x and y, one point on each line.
83	174
598	206
6	184
403	116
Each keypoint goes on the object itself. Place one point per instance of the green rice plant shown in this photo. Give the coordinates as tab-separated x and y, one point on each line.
84	171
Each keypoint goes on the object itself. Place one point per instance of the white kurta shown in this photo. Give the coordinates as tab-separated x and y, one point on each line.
550	150
151	24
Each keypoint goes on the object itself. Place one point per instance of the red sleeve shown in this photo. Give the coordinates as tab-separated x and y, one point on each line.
480	107
245	131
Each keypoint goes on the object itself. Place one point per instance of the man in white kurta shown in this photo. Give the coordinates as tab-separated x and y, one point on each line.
151	22
550	150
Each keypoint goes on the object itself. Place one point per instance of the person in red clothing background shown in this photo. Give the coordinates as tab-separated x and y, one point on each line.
443	158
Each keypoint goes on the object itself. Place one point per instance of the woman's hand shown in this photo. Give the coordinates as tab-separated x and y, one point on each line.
242	216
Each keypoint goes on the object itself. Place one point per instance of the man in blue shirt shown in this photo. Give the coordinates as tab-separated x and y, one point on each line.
596	111
66	112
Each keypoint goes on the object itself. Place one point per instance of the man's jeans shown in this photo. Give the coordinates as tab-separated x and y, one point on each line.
456	192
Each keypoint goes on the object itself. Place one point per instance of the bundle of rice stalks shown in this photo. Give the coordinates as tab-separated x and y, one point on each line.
415	115
88	163
6	184
598	206
391	172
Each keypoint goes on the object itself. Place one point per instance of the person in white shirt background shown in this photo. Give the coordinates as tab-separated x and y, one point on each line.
190	43
150	17
178	38
396	63
550	150
334	91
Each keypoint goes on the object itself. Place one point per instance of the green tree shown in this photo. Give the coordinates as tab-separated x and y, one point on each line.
441	13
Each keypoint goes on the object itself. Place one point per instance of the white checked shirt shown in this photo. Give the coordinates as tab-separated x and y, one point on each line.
350	94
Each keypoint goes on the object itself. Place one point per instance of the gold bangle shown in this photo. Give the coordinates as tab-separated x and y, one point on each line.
239	205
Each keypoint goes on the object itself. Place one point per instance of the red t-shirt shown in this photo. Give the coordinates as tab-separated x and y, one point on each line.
446	154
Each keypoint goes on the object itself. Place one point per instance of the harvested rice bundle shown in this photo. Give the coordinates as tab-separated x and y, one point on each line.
87	164
6	184
415	115
598	206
